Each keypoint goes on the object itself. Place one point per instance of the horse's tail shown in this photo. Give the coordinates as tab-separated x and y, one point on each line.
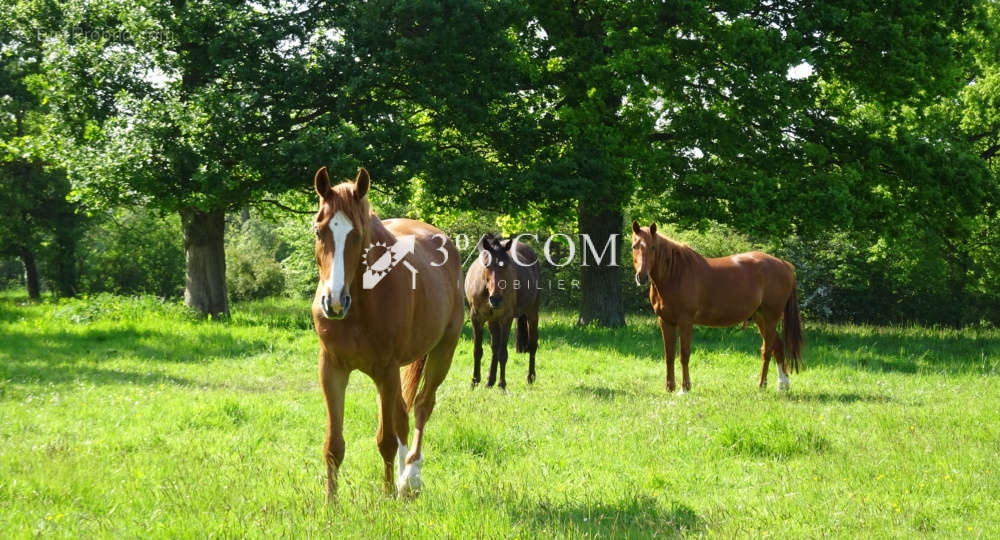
411	380
792	332
521	339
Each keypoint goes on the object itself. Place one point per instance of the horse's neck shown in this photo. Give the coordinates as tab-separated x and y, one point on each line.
683	260
377	231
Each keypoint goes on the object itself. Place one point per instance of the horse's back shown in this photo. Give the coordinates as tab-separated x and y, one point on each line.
432	247
529	275
731	288
437	265
775	277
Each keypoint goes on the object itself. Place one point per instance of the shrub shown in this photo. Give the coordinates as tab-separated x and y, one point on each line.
252	269
134	251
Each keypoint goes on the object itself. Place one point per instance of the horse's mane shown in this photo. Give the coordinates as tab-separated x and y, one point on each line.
682	256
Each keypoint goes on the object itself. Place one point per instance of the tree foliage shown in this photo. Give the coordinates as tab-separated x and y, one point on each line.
874	123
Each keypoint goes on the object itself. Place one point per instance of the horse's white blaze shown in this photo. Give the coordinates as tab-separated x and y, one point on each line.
782	379
339	226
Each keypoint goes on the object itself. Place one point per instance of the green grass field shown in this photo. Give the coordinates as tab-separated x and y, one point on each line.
129	418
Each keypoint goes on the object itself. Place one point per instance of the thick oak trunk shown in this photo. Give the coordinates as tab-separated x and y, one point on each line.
601	298
205	260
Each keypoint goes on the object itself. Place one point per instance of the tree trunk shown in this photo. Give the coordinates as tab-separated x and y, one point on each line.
205	260
31	279
66	269
601	298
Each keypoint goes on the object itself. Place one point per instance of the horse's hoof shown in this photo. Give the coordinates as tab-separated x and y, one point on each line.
783	386
682	392
475	383
531	378
408	489
408	485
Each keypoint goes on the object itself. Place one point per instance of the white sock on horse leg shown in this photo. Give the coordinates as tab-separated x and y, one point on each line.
409	482
401	451
782	379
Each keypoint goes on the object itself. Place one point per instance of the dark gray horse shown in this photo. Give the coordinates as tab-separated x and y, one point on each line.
502	285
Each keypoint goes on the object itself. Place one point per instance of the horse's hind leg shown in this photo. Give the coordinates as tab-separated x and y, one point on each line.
334	383
779	359
402	431
669	333
435	370
532	344
768	333
686	328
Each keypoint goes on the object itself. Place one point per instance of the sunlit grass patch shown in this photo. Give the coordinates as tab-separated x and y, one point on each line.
131	418
773	438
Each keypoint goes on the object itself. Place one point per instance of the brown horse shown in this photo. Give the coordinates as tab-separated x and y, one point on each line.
687	289
381	318
502	285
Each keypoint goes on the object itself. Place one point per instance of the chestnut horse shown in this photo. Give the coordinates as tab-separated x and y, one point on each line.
502	285
687	289
412	316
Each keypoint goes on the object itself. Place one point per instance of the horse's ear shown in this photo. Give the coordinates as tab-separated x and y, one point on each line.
362	183
635	227
505	244
652	228
483	242
322	182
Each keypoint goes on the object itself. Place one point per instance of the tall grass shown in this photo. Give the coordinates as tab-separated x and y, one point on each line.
128	417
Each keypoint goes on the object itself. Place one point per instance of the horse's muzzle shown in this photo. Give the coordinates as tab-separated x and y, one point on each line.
495	301
642	279
335	312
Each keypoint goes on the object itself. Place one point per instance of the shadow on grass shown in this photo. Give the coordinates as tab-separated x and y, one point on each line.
637	516
280	314
875	349
62	357
606	393
829	397
87	374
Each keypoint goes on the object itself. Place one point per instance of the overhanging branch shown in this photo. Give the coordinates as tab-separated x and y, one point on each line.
662	137
282	206
990	152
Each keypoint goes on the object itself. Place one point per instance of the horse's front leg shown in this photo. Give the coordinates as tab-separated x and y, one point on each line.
686	328
504	338
334	383
669	333
498	342
389	399
477	349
